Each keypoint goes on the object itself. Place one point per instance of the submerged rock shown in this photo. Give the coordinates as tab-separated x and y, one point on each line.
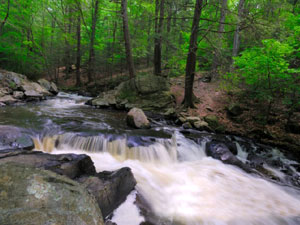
13	137
136	118
110	188
37	197
220	151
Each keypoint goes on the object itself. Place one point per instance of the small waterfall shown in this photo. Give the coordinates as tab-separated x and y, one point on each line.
181	183
121	147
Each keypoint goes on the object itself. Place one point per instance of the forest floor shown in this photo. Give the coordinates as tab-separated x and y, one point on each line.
251	123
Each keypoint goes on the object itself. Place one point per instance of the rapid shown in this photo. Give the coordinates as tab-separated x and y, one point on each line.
181	184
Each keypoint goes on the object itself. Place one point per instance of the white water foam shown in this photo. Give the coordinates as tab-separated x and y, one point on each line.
205	191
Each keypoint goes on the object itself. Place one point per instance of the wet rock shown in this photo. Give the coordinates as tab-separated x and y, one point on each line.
49	86
69	165
105	100
182	119
38	197
193	119
220	151
136	118
202	125
8	99
187	125
18	94
110	188
13	137
32	89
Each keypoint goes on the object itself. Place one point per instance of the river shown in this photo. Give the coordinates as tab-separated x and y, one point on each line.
175	177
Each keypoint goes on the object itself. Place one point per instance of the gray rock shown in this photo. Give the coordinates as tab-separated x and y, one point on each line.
110	188
193	119
149	84
70	165
38	197
13	137
33	89
18	94
202	125
49	86
54	88
8	99
136	118
220	151
105	100
187	125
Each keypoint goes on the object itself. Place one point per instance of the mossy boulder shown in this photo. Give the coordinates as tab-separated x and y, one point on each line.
148	92
149	84
214	123
37	197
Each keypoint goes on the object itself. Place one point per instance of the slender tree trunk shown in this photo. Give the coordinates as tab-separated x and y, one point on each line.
5	18
148	42
78	55
236	40
68	63
191	58
113	48
217	56
129	58
169	21
91	61
158	39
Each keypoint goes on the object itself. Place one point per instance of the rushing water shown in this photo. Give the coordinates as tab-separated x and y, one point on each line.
180	183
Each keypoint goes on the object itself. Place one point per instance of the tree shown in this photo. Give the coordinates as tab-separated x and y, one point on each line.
6	17
78	54
91	61
217	55
191	58
129	58
236	40
159	6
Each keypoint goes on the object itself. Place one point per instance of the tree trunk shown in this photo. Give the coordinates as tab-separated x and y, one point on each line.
68	63
158	37
91	61
217	56
129	58
78	55
191	58
5	18
236	40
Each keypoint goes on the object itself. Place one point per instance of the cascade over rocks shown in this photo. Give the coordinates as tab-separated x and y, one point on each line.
36	197
136	118
148	92
16	87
